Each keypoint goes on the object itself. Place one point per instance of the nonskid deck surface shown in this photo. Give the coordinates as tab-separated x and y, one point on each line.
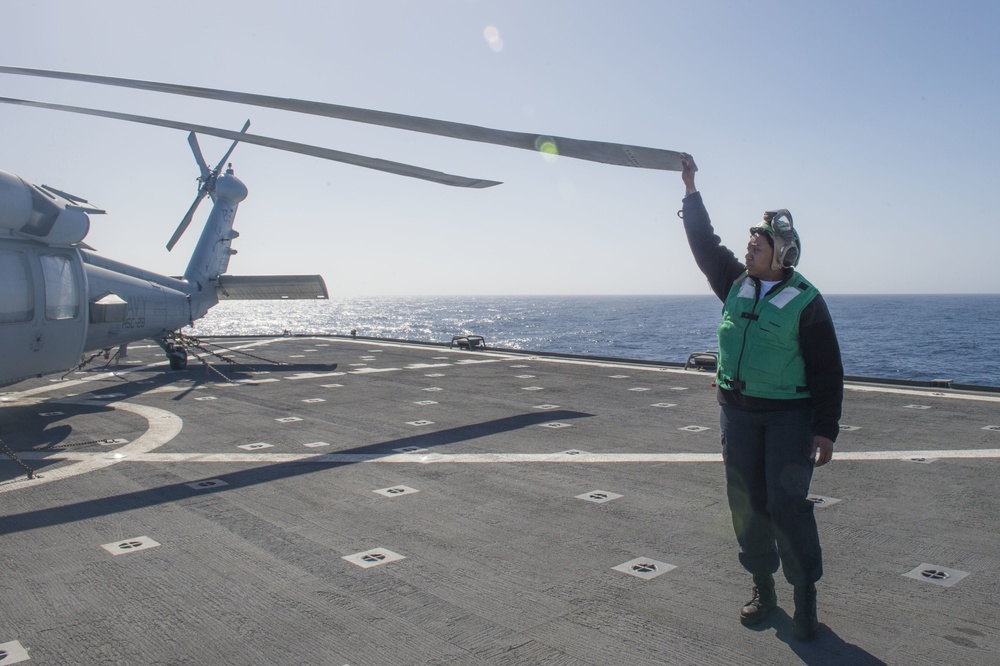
381	503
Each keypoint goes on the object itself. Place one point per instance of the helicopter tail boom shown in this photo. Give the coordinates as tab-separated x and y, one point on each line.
211	256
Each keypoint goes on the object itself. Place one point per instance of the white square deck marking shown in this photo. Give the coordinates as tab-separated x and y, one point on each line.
206	397
638	388
526	376
546	407
207	483
916	407
425	402
554	424
618	377
644	567
434	388
420	423
130	545
374	557
694	428
923	461
396	491
288	419
313	445
411	449
932	573
848	428
532	388
255	446
993	428
573	452
664	404
314	400
12	653
332	385
50	413
435	374
599	496
821	502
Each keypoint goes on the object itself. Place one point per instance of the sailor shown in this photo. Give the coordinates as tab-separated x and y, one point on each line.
780	384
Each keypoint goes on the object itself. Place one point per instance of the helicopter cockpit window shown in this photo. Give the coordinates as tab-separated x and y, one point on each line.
62	300
16	297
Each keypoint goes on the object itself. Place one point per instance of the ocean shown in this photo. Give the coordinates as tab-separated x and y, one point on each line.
906	337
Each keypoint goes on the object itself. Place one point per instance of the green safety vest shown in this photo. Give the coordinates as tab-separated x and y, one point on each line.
759	350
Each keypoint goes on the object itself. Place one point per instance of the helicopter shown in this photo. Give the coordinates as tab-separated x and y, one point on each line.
62	300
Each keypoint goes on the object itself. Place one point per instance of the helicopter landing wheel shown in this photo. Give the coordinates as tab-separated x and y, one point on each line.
178	358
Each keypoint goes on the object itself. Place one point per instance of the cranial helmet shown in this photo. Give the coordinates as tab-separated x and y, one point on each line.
787	245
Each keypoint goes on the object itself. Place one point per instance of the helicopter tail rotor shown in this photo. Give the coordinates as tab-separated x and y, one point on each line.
207	180
196	149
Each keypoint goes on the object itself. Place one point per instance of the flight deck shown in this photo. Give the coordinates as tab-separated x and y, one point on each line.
331	500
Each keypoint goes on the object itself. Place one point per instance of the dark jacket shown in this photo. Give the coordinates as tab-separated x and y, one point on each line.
817	337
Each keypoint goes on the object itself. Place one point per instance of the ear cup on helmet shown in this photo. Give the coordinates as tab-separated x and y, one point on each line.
788	256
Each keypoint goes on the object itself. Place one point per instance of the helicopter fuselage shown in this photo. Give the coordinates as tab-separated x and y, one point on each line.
58	303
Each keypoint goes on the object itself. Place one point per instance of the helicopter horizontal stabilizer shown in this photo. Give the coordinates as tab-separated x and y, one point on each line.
271	287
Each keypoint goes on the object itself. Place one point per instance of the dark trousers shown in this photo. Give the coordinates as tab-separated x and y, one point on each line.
768	470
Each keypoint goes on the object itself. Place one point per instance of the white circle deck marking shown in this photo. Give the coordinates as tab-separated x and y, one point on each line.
163	426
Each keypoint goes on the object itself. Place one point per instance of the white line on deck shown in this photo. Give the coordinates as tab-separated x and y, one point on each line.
430	456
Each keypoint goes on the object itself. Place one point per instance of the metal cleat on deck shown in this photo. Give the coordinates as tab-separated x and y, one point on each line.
468	342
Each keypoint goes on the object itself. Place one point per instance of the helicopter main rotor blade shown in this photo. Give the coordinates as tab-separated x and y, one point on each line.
594	151
375	163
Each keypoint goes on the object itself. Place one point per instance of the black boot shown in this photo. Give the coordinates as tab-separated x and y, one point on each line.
763	602
804	622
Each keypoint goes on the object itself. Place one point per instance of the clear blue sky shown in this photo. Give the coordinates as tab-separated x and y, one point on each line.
876	123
